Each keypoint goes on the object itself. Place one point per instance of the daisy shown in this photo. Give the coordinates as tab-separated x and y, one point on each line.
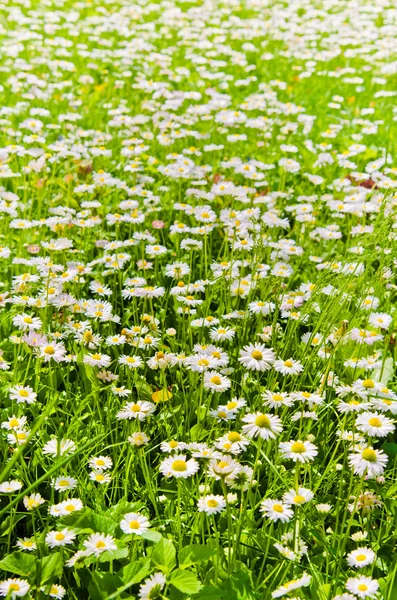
172	446
298	451
100	463
64	483
235	404
25	322
56	591
374	424
265	426
369	461
69	506
137	410
134	523
215	382
23	394
256	357
100	477
276	510
361	557
152	586
363	587
293	584
9	487
132	362
63	537
222	467
232	442
288	367
200	363
97	543
310	398
28	544
59	447
14	423
138	439
33	501
381	320
97	360
177	466
14	588
302	496
277	399
222	333
211	504
54	351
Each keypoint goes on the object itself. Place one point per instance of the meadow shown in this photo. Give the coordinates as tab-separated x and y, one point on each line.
197	299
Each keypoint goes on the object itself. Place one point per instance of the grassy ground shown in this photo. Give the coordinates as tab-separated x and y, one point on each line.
197	300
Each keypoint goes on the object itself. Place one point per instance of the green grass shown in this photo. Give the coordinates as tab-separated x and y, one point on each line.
153	133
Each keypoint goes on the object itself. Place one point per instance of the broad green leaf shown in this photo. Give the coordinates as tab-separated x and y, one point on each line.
19	563
210	593
151	535
51	567
190	555
164	555
185	581
135	571
384	375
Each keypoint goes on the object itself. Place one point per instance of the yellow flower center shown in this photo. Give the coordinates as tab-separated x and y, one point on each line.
278	508
203	362
59	536
257	355
100	544
179	466
360	557
299	499
375	422
362	587
212	503
216	380
368	383
49	350
298	448
262	421
234	436
134	525
369	455
288	363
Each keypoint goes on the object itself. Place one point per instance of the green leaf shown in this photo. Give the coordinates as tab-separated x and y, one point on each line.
185	581
210	593
102	585
387	372
135	571
151	535
19	563
103	524
190	555
164	555
239	586
390	449
51	567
